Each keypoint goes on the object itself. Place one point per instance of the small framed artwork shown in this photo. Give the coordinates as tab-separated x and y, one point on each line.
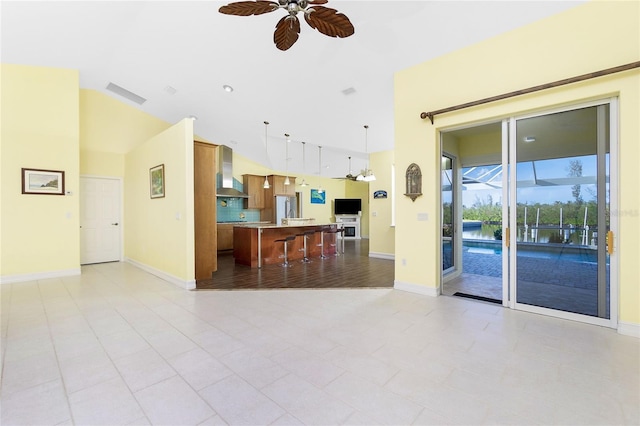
156	180
318	196
39	181
380	194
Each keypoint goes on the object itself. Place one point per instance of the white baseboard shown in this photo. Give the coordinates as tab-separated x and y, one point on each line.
416	288
386	256
187	285
629	329
34	276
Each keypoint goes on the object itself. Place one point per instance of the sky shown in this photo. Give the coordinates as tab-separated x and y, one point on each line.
529	194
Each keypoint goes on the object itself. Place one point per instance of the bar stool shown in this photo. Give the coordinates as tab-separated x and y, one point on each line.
285	241
305	236
334	232
323	229
341	232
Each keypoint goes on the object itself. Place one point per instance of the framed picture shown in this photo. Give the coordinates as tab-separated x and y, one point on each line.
156	180
39	181
318	197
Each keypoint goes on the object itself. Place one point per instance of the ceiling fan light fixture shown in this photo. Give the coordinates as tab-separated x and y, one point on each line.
328	21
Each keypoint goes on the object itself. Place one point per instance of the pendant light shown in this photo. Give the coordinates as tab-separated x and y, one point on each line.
286	159
367	174
266	150
320	190
303	183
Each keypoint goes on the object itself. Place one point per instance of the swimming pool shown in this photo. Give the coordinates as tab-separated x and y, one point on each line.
559	252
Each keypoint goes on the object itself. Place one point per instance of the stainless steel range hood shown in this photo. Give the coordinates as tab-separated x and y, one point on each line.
225	168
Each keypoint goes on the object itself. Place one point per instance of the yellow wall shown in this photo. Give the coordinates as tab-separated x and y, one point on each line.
159	233
587	38
381	231
100	163
109	129
39	107
109	125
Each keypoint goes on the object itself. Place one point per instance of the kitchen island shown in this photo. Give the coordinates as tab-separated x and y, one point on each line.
255	245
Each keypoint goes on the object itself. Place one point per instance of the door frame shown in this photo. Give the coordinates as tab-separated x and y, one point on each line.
456	218
120	210
508	214
511	278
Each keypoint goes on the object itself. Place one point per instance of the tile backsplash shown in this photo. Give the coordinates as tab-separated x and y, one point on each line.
230	209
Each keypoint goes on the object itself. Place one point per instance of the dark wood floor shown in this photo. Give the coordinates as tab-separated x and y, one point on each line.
354	269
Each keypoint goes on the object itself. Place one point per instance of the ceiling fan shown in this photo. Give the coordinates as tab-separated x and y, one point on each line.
326	20
350	175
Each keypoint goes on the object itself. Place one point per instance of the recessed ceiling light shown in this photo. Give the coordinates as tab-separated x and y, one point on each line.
349	91
227	88
170	90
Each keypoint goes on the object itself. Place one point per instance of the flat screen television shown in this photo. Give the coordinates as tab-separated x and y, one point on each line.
347	205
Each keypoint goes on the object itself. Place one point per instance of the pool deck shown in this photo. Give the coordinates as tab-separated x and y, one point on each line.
558	282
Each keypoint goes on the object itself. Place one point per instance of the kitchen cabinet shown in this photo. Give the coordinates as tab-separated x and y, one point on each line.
279	188
225	236
254	188
204	186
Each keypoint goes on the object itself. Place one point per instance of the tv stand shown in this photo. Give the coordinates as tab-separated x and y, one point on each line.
351	224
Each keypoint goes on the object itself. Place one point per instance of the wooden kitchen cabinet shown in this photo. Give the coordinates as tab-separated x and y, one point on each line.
204	189
225	236
254	188
279	188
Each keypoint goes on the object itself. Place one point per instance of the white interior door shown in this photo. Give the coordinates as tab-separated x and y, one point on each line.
100	222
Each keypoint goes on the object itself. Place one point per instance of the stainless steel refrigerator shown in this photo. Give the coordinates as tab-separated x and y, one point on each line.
286	207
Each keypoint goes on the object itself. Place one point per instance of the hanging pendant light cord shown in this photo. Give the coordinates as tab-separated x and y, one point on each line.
266	150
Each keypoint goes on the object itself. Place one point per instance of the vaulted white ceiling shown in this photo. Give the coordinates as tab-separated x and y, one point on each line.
152	47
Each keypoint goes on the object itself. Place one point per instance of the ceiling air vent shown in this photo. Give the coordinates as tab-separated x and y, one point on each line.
126	94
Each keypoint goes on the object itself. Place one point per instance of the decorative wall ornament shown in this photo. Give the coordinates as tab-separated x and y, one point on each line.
380	194
318	196
39	181
414	181
156	181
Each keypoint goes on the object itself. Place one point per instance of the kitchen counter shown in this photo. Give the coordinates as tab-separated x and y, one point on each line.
255	244
241	222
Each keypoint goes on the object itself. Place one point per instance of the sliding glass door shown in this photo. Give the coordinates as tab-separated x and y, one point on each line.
448	214
560	212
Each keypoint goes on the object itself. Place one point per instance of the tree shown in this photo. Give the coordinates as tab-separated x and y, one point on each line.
575	170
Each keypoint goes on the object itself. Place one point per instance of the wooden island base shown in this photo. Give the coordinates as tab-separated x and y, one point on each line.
255	245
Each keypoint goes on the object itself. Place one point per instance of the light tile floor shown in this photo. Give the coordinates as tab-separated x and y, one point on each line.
119	346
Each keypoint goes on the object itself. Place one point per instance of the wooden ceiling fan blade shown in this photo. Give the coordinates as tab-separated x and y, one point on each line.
329	22
248	8
287	32
318	1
